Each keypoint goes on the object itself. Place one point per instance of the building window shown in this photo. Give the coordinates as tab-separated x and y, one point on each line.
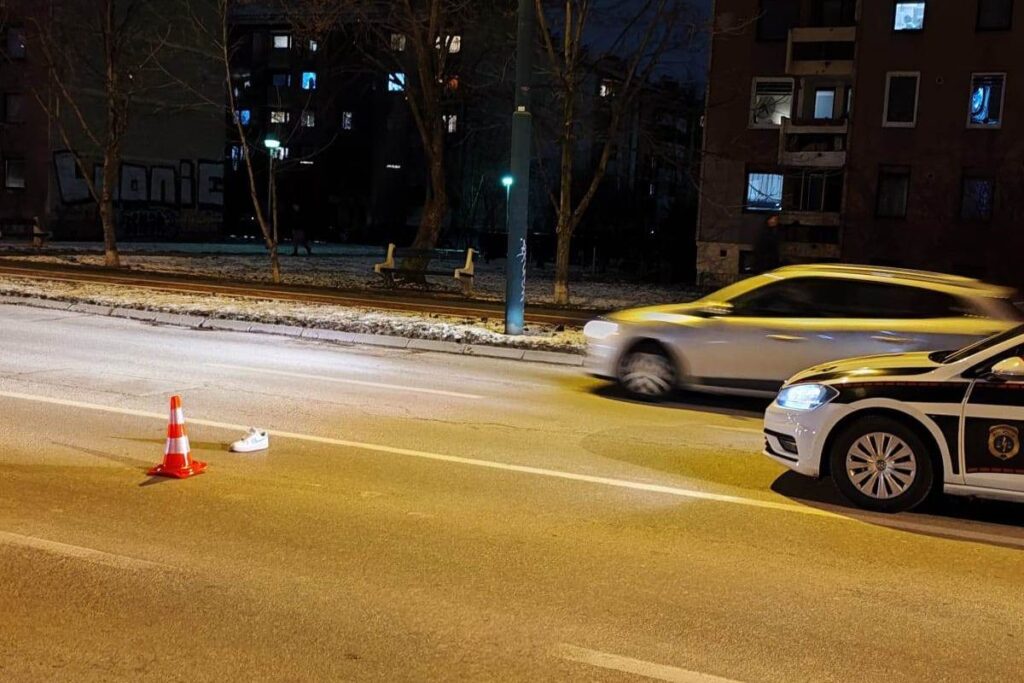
16	43
14	108
977	199
313	46
454	44
986	107
451	122
771	100
243	116
14	174
309	80
824	103
346	120
607	88
908	16
281	80
396	81
995	15
398	42
282	41
764	192
776	17
893	188
901	90
308	119
279	116
816	191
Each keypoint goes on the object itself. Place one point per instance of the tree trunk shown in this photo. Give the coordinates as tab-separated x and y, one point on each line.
436	206
275	261
107	219
562	252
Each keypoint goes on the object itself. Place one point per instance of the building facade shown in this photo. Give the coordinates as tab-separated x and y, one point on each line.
879	131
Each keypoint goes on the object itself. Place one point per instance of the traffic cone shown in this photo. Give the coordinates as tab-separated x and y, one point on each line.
178	460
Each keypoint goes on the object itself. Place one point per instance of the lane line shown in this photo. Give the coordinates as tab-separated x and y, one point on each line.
341	380
739	430
637	667
79	552
692	494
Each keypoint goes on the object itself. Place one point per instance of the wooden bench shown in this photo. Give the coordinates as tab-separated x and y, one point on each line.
413	265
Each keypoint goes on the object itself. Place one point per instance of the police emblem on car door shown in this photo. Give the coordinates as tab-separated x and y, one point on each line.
1003	441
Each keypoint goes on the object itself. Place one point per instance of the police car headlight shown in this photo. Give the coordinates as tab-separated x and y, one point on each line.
600	329
805	396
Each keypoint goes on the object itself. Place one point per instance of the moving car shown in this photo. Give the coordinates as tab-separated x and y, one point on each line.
891	429
749	337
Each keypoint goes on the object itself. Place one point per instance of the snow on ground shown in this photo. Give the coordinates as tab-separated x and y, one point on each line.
347	267
342	318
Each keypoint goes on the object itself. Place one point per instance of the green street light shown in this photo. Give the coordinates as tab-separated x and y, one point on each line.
271	142
508	181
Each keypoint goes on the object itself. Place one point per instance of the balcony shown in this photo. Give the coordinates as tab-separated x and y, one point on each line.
813	144
821	51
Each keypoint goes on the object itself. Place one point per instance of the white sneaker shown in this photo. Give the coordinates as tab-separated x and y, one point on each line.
255	440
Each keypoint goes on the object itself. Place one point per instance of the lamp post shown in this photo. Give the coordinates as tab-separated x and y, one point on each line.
518	187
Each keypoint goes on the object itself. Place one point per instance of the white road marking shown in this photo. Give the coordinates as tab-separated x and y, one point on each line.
693	494
638	667
740	430
341	380
78	552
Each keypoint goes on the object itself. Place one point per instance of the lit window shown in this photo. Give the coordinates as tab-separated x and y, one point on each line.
14	174
396	81
909	16
244	116
309	80
282	80
995	15
313	46
452	84
236	156
282	42
900	100
454	44
986	100
393	167
279	152
607	88
398	42
346	120
279	116
824	103
451	122
16	43
893	188
764	192
977	199
308	119
772	100
14	108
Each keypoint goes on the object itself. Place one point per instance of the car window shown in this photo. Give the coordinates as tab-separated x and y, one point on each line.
983	344
847	298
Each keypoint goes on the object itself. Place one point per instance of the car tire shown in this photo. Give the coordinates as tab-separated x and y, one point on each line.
647	373
880	464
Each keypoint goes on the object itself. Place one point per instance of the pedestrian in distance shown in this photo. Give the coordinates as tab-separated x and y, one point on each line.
39	233
299	238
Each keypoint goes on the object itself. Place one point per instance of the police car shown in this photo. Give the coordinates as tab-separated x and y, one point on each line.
891	429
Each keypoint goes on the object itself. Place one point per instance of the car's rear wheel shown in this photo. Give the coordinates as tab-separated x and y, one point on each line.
880	464
648	373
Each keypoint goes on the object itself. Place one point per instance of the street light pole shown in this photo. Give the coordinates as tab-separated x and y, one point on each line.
519	187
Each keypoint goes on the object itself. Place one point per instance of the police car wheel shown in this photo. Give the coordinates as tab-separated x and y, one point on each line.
880	464
647	373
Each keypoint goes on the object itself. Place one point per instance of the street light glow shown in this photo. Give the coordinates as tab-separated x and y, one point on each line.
508	181
271	143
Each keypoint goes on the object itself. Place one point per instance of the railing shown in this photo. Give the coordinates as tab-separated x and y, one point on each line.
813	144
821	51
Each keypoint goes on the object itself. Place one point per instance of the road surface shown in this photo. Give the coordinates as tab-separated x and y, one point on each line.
432	517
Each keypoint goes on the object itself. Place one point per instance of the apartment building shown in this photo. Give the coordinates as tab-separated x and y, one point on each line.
878	131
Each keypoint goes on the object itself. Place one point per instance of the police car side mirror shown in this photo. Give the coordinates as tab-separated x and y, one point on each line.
1008	370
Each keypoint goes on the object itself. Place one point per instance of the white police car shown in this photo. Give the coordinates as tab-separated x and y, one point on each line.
891	429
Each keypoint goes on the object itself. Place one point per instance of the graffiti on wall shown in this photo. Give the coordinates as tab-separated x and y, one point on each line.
154	201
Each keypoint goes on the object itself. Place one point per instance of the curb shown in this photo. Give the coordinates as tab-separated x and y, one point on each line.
196	322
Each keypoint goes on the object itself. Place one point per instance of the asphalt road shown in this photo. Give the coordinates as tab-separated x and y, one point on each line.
405	299
432	517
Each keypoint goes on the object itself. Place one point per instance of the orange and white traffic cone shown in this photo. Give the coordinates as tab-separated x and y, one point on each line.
178	460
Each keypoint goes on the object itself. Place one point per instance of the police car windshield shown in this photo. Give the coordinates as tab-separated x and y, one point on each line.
982	345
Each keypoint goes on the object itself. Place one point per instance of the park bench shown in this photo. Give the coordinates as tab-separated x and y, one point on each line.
414	265
24	231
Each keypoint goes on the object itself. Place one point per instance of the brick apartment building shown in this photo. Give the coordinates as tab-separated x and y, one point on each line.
876	131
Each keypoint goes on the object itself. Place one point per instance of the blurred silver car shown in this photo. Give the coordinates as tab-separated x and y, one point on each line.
749	337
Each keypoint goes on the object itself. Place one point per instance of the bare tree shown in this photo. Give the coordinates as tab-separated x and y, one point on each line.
578	37
412	43
98	56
